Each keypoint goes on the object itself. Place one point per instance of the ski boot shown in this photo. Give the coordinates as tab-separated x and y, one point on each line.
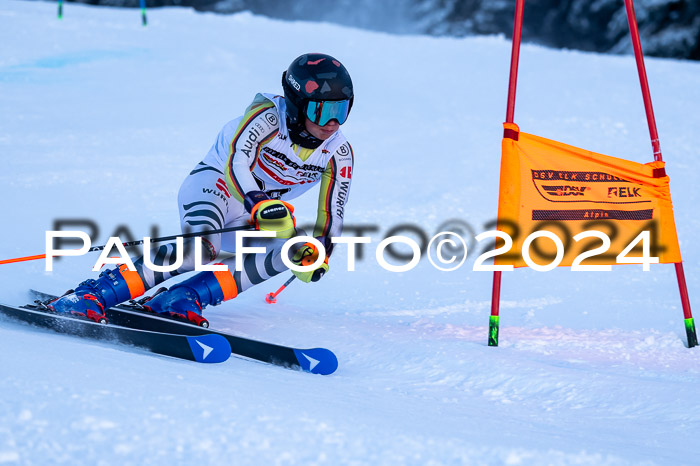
90	299
187	299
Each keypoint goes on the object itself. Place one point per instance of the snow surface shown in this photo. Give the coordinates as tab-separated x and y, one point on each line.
102	118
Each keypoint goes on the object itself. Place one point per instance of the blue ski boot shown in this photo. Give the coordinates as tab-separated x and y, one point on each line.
187	299
92	297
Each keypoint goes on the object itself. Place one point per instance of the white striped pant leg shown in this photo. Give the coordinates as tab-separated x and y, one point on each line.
205	205
259	267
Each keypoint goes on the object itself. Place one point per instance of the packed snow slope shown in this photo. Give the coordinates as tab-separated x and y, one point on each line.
101	118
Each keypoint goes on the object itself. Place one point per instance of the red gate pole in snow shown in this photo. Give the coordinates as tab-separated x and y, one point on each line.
653	133
512	85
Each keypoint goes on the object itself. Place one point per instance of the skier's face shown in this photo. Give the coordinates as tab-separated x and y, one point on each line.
321	132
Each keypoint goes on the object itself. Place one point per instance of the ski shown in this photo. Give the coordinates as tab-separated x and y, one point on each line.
314	360
200	348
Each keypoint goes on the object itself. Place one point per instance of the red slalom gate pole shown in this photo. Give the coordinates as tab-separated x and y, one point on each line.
494	319
643	81
656	146
515	59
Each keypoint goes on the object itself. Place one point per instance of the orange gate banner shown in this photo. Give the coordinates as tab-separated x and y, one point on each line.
547	185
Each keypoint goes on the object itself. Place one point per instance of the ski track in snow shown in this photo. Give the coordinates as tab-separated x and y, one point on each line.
102	119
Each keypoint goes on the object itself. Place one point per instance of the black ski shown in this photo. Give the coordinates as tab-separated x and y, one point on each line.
315	360
201	348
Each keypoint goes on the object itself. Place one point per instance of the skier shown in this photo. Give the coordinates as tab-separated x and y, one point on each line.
279	148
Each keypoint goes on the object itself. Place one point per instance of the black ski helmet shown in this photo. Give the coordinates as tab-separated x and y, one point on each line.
314	76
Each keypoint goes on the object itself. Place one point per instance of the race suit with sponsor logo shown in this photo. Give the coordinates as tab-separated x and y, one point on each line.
255	153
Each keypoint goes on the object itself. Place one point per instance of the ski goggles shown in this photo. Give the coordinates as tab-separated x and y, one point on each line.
321	112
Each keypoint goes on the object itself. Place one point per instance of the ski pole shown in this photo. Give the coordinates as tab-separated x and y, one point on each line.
272	297
136	243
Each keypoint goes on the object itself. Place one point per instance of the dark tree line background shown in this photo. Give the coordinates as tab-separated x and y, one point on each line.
669	28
